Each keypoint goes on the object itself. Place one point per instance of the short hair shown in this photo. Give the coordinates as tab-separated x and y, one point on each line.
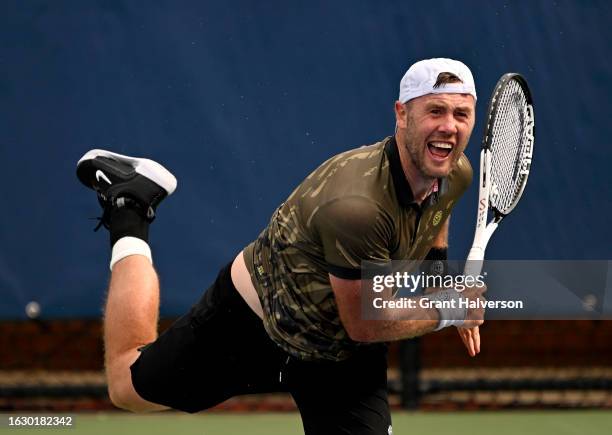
446	78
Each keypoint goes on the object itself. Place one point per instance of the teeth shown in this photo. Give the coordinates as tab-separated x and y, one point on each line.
444	145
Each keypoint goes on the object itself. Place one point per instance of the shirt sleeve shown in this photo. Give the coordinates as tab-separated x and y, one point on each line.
352	230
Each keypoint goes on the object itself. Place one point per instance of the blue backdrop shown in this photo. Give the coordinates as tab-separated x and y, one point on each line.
242	99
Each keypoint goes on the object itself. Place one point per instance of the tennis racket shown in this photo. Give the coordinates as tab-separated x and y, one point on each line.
505	161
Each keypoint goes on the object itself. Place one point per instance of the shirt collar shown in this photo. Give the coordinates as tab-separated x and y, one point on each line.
402	187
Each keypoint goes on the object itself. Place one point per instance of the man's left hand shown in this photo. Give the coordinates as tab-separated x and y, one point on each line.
471	339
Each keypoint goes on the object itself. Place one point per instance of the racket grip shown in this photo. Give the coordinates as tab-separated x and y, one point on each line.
475	259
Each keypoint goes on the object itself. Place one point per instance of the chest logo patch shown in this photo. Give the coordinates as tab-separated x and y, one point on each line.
437	218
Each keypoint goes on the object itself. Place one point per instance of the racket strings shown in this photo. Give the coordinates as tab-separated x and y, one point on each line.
509	147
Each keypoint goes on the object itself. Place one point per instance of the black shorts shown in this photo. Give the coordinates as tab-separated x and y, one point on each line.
220	349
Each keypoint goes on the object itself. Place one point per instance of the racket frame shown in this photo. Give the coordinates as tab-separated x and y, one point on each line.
484	231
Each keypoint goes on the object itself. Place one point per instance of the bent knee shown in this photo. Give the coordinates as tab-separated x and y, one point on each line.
120	396
121	390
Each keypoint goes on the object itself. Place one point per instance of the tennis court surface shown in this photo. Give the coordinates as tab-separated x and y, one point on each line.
564	422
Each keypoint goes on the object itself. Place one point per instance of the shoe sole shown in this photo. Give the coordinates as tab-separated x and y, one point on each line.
147	168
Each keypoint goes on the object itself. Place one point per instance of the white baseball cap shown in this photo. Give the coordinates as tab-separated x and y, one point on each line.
420	79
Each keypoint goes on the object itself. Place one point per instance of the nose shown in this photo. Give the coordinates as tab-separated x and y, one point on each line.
448	125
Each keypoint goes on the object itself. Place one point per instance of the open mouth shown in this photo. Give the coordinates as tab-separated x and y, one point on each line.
440	149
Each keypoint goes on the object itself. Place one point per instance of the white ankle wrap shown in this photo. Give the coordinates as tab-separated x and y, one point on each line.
126	246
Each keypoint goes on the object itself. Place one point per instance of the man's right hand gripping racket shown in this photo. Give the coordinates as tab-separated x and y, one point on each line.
505	160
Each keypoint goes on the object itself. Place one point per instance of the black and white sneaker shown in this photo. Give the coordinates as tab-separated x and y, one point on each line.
122	181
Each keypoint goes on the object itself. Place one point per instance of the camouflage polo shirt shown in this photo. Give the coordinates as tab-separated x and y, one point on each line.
356	206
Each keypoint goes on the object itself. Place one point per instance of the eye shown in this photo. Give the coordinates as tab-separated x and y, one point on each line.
436	111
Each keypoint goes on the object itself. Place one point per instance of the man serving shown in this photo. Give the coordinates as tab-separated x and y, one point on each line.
285	314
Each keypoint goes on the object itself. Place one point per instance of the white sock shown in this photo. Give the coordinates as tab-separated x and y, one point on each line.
126	246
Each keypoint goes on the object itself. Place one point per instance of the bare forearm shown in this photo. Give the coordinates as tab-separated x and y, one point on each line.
391	323
384	330
399	323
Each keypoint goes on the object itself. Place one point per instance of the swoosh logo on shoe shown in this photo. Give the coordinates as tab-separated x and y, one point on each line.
102	175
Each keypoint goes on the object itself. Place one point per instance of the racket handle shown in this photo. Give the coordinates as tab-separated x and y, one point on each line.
475	259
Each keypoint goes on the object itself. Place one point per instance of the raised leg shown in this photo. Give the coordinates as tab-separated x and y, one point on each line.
130	321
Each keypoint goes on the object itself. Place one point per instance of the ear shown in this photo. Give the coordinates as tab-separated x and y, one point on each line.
401	115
